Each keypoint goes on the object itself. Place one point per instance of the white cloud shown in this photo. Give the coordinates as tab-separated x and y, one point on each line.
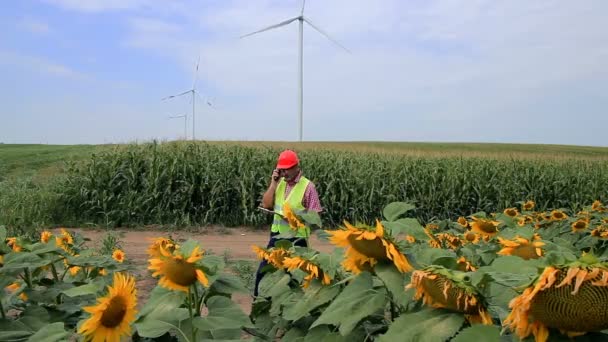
42	65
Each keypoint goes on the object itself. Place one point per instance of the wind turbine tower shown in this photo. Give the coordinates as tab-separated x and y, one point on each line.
301	19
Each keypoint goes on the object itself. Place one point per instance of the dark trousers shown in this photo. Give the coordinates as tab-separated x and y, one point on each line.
271	242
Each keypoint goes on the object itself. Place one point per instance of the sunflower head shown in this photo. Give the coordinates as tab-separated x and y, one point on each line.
367	246
451	241
431	226
471	237
312	269
529	205
157	243
597	206
462	264
511	212
485	227
572	298
45	236
179	269
16	287
524	220
579	225
111	318
12	242
273	256
294	222
439	287
463	222
558	215
600	232
522	247
118	255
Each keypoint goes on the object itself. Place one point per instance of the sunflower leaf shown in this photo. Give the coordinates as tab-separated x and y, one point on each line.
228	284
19	261
314	296
2	233
82	290
425	325
407	226
357	301
394	210
478	332
223	314
393	280
50	333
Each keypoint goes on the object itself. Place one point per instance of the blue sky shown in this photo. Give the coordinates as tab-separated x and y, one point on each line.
94	71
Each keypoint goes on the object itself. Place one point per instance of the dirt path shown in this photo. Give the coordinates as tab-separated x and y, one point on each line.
234	242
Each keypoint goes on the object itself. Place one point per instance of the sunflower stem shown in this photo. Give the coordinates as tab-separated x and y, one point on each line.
28	278
2	311
190	312
54	271
196	300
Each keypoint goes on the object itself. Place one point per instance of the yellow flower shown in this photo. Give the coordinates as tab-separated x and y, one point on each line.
14	287
464	265
523	220
463	222
291	217
178	272
366	247
529	205
65	241
45	236
558	215
274	256
74	270
579	225
449	240
600	232
12	242
442	288
485	227
431	226
522	247
555	301
118	255
511	212
410	239
154	248
597	206
103	272
312	270
113	314
471	237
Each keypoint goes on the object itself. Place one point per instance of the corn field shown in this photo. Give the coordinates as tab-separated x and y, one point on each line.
199	184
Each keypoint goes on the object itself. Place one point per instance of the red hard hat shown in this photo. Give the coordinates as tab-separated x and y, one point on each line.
287	159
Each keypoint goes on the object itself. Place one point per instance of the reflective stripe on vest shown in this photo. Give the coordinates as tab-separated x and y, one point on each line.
295	197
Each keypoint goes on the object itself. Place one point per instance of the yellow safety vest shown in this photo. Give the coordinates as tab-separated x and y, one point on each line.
279	224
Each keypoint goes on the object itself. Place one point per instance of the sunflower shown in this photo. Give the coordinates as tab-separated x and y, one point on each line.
597	206
410	239
431	226
1	260
178	271
449	240
511	212
292	219
366	246
463	222
558	215
157	243
45	236
579	225
464	265
12	242
522	247
118	255
15	287
600	232
485	227
273	256
572	298
65	240
439	287
529	205
113	314
74	270
524	220
312	270
471	237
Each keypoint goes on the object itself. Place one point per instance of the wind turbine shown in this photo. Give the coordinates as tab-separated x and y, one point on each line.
185	116
194	93
301	19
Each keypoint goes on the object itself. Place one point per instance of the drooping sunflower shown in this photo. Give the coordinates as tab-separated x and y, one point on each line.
597	206
178	271
522	247
558	215
485	227
366	246
464	265
12	242
529	205
431	226
118	255
273	256
113	314
463	222
572	298
511	212
45	236
579	225
312	270
450	241
157	243
292	218
600	232
439	287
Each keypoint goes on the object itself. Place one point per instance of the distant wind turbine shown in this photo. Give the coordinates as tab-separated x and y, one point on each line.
301	19
194	93
185	116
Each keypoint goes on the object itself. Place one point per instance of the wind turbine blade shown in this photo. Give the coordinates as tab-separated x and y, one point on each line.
196	72
326	35
303	4
172	96
288	21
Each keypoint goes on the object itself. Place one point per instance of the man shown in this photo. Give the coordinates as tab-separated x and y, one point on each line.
288	185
